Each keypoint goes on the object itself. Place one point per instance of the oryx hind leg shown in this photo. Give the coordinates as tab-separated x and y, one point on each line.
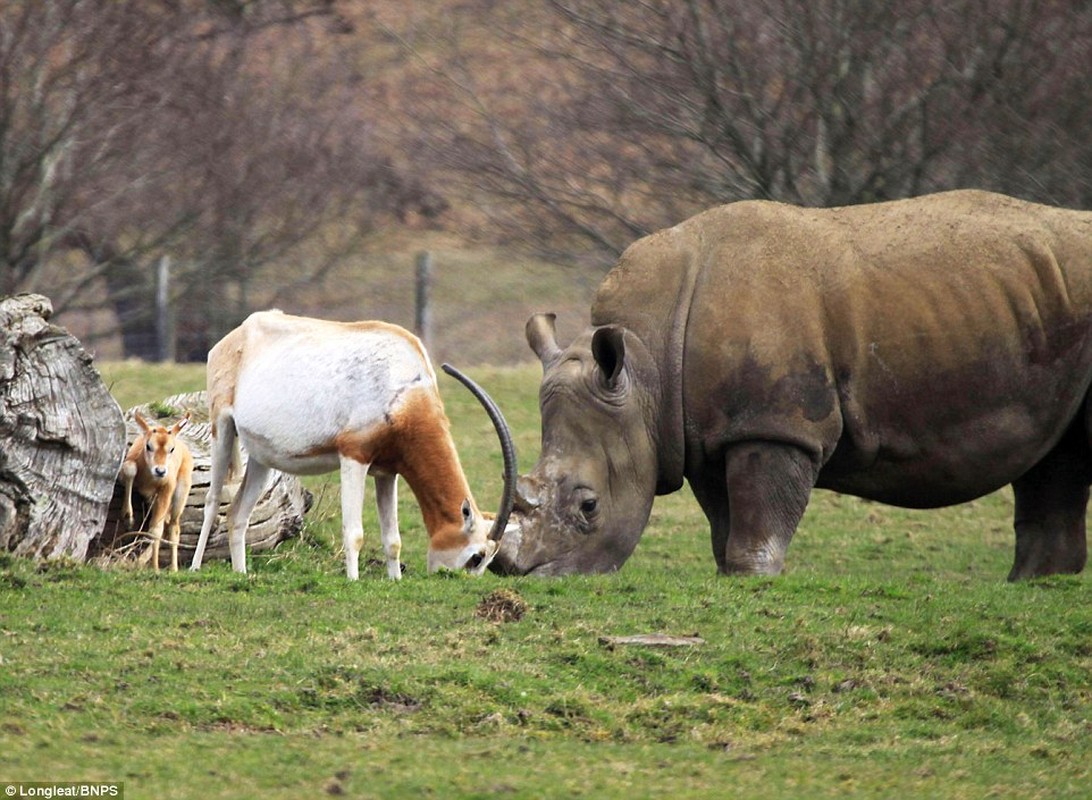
250	492
221	453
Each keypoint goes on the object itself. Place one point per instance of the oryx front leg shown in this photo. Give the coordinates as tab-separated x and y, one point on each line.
250	491
386	499
353	474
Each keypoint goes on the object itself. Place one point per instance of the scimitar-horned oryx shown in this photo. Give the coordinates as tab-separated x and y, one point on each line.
309	396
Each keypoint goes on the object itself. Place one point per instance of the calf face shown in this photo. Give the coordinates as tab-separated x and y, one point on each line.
159	447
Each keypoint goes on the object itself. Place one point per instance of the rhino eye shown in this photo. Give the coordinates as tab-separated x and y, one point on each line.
585	508
589	509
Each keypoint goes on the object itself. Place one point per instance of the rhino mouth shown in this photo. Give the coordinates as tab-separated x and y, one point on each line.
516	557
513	558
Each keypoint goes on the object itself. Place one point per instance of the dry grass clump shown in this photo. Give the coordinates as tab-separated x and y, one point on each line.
502	605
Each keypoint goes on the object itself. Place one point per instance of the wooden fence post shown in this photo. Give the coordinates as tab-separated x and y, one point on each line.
422	322
164	312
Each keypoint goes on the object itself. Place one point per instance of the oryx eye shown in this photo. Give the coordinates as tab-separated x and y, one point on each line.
149	447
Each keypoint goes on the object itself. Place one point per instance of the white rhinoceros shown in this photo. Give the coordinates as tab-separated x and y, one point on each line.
920	353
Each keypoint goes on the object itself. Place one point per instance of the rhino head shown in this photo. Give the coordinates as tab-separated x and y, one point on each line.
586	502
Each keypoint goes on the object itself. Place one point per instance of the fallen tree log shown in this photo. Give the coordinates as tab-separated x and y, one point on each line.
62	436
277	517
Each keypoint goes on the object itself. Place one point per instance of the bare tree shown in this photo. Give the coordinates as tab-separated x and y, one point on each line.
638	114
65	104
225	135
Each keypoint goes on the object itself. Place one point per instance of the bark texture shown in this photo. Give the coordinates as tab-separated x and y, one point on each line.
62	436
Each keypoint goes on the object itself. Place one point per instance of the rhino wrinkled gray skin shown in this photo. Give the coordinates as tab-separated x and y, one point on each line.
920	353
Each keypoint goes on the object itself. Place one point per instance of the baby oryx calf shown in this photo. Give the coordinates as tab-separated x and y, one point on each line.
309	396
160	466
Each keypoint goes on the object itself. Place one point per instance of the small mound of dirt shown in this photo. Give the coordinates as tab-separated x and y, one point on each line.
502	605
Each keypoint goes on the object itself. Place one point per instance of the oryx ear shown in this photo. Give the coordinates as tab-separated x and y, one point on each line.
143	423
542	336
609	350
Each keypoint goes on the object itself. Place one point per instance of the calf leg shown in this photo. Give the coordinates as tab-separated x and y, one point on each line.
353	474
161	507
178	505
1051	500
156	532
768	489
250	492
174	532
128	476
386	499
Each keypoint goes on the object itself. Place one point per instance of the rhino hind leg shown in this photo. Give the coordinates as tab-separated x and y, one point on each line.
1051	501
755	505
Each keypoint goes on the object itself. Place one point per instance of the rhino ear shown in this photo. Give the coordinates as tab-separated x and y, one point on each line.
609	351
542	336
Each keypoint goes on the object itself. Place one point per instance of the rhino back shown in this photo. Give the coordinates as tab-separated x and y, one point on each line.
925	351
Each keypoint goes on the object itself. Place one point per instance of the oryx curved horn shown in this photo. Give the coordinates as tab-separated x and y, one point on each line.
508	450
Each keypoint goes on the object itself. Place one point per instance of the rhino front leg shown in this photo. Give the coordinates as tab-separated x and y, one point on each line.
768	486
711	492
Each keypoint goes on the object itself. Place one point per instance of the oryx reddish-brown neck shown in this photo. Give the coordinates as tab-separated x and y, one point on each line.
437	480
416	443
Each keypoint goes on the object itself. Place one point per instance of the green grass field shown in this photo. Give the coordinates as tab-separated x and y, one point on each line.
890	660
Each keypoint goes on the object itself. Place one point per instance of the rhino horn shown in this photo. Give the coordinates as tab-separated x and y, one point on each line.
542	336
528	495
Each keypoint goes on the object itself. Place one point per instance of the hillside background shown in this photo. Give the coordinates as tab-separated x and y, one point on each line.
300	153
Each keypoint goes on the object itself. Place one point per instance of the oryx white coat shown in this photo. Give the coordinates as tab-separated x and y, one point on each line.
308	396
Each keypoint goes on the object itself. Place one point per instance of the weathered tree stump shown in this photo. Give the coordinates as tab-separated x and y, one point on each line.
62	436
278	515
